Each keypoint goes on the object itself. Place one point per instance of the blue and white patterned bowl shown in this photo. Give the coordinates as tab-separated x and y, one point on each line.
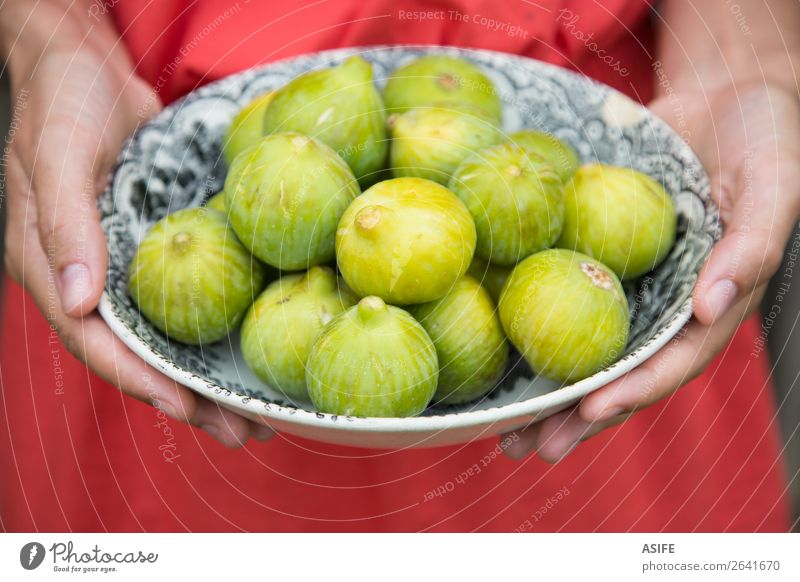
174	162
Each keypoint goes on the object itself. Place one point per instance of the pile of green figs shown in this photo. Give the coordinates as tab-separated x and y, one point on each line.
382	251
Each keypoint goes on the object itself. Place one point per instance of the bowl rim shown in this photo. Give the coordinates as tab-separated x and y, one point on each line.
529	408
524	408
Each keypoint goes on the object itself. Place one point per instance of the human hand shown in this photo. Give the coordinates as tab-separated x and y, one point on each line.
76	102
748	139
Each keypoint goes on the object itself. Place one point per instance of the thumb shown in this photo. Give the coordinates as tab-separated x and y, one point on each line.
761	221
64	176
68	170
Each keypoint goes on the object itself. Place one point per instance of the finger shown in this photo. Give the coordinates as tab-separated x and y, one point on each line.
745	259
92	341
556	436
685	357
227	427
142	102
561	433
77	119
20	217
63	176
680	361
766	203
261	432
522	441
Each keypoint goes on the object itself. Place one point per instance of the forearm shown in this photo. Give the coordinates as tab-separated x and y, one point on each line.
706	44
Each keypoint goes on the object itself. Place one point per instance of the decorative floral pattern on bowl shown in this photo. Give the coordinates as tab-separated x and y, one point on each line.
175	161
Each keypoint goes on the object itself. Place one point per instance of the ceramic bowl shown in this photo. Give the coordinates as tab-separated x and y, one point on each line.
175	162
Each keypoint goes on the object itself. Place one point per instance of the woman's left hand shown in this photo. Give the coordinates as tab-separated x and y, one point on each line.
748	138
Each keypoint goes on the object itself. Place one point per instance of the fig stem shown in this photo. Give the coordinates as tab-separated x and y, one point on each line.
319	278
368	218
369	307
448	82
299	142
182	242
598	276
359	66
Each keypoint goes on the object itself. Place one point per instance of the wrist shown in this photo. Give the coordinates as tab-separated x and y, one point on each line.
700	81
28	29
715	46
771	70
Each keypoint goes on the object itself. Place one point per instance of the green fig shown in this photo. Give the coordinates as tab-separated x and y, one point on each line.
372	360
469	341
192	278
430	142
341	107
559	154
619	216
406	240
433	79
491	276
516	199
246	128
217	202
566	313
281	326
285	196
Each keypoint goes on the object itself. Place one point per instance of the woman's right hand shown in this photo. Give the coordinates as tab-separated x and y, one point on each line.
75	98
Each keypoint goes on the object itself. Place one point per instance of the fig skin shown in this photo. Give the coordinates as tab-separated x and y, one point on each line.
491	277
217	202
562	157
566	313
406	240
516	199
433	79
281	326
372	360
192	278
246	128
619	216
285	196
431	142
469	341
341	107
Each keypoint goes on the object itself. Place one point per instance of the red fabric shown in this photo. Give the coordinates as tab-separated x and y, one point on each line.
91	459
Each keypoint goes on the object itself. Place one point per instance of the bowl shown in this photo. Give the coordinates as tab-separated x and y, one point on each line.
174	161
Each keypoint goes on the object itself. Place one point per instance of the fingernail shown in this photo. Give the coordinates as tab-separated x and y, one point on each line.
74	286
211	429
263	433
518	450
166	407
610	412
720	297
521	445
568	451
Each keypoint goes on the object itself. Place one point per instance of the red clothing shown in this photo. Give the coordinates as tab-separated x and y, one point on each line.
87	458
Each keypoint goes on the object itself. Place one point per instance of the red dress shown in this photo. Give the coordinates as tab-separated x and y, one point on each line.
88	459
